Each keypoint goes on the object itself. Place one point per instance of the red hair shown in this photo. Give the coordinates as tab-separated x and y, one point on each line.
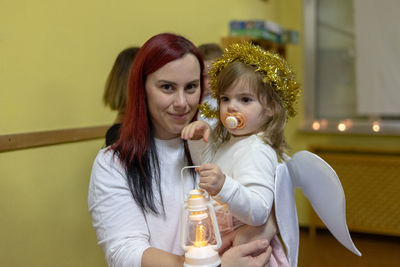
134	144
154	54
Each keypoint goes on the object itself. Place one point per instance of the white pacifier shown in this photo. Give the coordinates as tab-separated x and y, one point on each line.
231	122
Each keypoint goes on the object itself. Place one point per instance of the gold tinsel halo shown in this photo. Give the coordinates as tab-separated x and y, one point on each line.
274	69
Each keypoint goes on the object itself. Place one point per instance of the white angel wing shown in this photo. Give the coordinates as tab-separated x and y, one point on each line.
286	213
323	189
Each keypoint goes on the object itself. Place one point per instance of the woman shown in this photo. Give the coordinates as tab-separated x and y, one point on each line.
135	192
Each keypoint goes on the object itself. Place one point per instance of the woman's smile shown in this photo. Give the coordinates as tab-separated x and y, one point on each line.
179	116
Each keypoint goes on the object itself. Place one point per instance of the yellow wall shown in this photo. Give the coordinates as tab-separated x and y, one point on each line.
44	217
55	56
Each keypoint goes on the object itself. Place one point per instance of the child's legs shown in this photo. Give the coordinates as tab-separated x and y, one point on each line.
247	233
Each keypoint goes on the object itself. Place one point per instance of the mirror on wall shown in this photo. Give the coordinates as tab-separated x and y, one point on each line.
350	83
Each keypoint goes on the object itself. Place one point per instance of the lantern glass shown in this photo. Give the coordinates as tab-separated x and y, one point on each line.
199	228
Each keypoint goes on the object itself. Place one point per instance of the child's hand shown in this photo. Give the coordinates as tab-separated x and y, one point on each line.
196	130
211	178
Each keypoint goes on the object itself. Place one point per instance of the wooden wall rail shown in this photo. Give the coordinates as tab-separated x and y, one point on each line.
36	139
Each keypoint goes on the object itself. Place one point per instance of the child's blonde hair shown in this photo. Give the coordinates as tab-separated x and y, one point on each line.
269	75
273	129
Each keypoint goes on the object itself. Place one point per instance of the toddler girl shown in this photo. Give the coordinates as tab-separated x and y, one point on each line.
256	93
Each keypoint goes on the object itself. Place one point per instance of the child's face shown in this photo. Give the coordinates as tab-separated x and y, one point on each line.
240	98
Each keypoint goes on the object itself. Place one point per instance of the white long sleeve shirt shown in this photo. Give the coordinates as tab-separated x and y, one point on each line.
249	166
123	231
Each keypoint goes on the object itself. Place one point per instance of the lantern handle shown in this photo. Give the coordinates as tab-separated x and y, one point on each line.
182	182
215	226
183	229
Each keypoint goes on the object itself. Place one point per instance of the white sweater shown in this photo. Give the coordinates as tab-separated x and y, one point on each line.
123	231
249	166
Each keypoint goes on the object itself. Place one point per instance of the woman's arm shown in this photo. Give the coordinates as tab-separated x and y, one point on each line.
252	254
120	225
153	257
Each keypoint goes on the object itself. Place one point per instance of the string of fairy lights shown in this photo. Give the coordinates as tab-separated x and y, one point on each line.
346	125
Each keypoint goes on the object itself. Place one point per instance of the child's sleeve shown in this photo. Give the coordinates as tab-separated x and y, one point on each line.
250	194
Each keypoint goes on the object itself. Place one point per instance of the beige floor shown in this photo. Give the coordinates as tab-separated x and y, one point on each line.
325	251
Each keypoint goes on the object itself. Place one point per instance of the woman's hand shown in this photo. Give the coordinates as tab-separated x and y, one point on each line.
227	241
253	254
211	178
196	130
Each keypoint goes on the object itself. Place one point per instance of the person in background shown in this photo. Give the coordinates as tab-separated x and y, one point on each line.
116	88
135	191
210	52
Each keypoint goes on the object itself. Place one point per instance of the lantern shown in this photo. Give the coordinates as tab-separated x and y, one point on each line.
199	227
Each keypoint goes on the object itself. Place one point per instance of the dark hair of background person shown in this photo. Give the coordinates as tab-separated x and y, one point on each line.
136	146
210	51
116	89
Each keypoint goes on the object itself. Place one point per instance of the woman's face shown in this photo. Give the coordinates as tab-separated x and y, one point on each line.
173	94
